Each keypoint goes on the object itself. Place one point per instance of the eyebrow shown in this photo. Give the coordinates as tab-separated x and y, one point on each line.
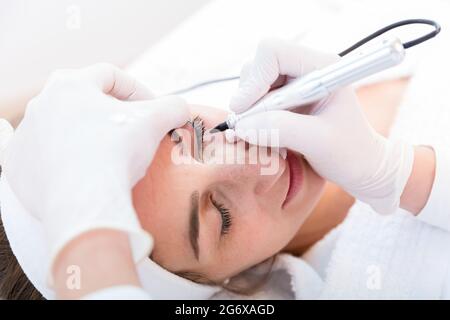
194	223
173	135
197	126
197	137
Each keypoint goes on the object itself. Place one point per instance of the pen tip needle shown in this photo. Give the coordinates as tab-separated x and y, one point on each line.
220	127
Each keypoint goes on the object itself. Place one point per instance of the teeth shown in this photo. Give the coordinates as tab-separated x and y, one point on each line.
283	153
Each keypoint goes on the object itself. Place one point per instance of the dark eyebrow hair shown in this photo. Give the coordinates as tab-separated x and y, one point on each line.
194	223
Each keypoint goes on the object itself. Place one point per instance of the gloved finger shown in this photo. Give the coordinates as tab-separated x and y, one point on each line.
245	72
298	132
161	114
115	82
275	57
6	133
251	88
236	105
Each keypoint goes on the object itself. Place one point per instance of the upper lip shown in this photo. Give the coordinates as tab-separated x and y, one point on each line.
292	176
288	169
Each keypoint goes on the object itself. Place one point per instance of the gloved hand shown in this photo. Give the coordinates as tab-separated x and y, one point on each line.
82	145
6	133
333	134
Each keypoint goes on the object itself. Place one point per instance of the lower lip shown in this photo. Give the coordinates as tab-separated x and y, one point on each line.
295	177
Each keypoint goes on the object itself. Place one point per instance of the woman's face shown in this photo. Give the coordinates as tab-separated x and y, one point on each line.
218	218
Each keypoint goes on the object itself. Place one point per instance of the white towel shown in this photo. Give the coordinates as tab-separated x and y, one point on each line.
371	257
394	257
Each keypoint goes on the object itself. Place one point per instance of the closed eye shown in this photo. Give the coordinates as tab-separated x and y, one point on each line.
224	214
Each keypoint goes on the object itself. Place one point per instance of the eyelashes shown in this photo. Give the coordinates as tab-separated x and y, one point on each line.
225	215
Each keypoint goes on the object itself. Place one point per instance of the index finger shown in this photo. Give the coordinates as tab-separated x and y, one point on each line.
275	57
115	82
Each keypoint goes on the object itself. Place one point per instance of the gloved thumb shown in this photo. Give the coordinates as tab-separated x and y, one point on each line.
6	133
285	129
251	87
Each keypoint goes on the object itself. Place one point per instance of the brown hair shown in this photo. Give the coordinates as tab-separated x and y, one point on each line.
245	283
14	284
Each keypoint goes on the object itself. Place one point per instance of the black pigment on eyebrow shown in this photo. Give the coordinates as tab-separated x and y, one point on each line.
199	131
194	223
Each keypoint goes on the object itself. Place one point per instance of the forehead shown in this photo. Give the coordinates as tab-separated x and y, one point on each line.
210	115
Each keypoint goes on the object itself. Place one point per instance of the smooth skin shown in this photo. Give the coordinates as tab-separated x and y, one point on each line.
260	226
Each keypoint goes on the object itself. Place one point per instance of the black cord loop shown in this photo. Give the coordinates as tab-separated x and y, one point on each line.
406	45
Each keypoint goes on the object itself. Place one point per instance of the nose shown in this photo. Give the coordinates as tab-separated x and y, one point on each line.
258	168
261	177
267	179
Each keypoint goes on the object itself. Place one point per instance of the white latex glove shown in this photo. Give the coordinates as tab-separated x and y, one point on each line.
82	145
6	133
333	134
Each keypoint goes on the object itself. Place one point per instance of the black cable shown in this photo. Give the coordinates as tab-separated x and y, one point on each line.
406	45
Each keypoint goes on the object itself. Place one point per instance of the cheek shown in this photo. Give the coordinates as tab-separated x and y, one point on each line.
316	185
268	235
259	236
263	233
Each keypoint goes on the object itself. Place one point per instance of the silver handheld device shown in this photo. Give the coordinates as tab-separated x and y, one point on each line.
318	84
